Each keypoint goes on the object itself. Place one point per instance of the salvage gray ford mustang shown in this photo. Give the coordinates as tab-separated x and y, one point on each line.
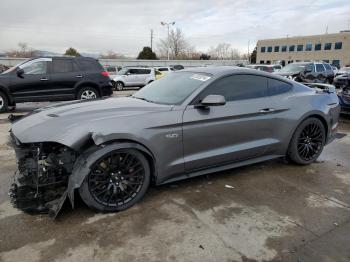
186	124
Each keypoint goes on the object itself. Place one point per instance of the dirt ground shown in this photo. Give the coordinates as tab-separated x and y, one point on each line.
271	211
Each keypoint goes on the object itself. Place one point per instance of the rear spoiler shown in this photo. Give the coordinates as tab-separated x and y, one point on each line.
326	88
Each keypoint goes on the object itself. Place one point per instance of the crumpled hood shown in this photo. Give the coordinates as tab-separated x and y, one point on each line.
63	123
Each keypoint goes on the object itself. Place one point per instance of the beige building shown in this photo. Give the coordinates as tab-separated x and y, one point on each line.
331	48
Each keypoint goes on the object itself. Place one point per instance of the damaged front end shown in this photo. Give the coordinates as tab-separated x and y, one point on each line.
41	181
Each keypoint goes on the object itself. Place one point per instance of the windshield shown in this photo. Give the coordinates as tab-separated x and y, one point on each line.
172	89
293	68
13	68
123	71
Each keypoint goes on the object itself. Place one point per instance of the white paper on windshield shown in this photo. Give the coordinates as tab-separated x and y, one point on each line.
200	77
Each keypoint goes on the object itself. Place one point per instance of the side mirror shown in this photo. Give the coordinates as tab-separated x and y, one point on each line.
20	72
212	100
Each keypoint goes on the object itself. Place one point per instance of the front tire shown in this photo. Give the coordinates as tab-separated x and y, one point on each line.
87	93
3	102
307	142
116	181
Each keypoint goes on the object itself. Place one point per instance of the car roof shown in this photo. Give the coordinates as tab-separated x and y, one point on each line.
218	71
64	57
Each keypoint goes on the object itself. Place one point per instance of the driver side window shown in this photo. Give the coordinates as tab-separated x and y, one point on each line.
35	68
237	87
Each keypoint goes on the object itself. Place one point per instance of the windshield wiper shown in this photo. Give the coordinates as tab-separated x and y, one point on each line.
142	98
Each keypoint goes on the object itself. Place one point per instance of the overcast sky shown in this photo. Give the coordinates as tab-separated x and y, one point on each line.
124	25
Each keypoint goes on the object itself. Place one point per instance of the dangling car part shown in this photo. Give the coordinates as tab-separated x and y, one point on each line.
192	122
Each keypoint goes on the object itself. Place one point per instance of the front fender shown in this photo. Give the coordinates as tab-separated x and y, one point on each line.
84	162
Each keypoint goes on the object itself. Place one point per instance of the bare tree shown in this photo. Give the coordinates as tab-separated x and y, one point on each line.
111	55
176	44
224	51
24	51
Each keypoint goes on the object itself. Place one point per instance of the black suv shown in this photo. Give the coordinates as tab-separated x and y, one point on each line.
53	79
309	72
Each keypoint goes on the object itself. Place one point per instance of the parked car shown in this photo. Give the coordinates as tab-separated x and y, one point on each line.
189	123
261	67
342	80
309	72
112	71
344	99
343	83
134	76
52	79
277	67
165	69
343	70
158	74
177	67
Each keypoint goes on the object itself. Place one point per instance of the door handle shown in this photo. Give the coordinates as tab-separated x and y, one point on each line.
44	79
266	110
79	76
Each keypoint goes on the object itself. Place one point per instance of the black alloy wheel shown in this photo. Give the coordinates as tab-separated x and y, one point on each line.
116	181
310	141
307	142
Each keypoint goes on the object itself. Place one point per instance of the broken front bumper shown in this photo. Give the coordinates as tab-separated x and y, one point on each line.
41	181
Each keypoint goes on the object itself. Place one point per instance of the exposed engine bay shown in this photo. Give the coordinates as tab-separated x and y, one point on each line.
42	177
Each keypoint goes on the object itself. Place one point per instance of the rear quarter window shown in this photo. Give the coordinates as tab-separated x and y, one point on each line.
90	65
63	66
276	87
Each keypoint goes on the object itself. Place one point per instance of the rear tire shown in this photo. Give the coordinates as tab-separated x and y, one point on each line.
117	181
119	86
87	93
3	102
307	142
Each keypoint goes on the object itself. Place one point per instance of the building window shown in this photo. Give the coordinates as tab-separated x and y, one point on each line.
336	63
284	48
268	62
263	48
261	61
300	47
269	49
277	48
327	46
317	47
338	45
291	48
308	47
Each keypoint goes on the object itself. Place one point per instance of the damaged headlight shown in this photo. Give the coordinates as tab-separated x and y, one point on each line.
42	176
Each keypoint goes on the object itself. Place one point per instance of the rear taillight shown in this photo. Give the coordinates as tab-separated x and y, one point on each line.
104	73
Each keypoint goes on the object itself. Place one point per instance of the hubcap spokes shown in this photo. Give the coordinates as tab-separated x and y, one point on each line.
310	142
88	94
116	179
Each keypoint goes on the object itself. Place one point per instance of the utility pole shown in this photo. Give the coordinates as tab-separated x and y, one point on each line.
152	40
248	51
168	25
